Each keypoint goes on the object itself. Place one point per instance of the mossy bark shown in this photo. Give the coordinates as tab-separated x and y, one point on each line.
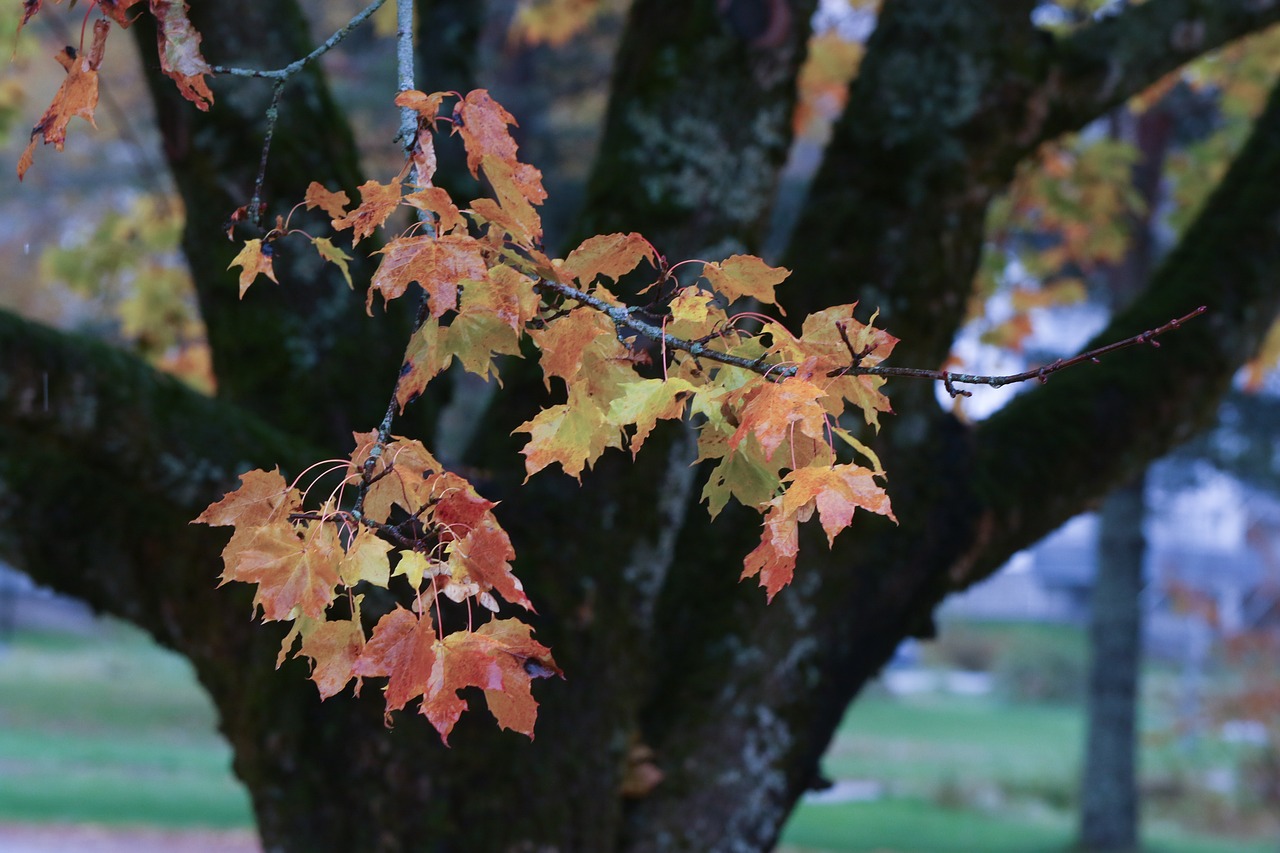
637	596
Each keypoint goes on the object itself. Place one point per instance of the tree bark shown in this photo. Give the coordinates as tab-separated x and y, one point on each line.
637	596
1109	790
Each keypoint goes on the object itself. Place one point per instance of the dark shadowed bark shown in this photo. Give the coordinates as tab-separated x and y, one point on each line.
637	595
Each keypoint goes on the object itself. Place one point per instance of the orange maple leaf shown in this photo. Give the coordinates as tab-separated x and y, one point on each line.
377	202
483	557
291	568
746	275
439	264
402	648
612	255
263	497
77	96
500	658
332	203
334	647
773	411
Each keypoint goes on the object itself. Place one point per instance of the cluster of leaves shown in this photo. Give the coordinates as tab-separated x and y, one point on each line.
768	406
178	48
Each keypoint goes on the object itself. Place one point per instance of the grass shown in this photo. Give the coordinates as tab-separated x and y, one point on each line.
109	728
917	826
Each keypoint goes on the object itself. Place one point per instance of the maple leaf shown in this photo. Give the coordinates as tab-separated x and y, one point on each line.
483	557
573	434
836	491
822	339
77	96
426	106
647	401
291	570
740	475
436	200
405	485
117	10
518	187
564	342
332	203
179	47
438	264
333	255
774	559
498	657
773	411
482	122
745	275
334	646
611	255
402	648
365	560
263	497
423	152
255	259
377	202
424	359
506	292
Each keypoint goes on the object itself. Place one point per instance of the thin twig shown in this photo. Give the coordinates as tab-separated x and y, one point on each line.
297	65
273	115
629	318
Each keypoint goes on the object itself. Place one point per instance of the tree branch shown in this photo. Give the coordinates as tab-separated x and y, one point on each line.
98	443
1107	62
1130	411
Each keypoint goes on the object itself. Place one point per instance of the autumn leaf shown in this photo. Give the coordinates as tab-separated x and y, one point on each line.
645	402
334	646
483	557
377	203
424	359
498	657
437	201
438	264
333	255
365	560
292	568
573	434
402	648
263	497
611	255
564	342
332	203
426	106
77	96
774	559
774	411
745	275
255	259
482	122
517	187
179	47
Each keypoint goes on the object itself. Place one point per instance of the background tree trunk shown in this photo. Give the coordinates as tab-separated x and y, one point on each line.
1109	788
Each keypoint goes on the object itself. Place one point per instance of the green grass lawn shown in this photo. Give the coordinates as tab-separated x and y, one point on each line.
109	728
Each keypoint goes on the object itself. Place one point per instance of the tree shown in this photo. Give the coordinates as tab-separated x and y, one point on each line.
671	663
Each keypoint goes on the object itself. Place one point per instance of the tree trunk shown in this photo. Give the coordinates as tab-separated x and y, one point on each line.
1109	790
